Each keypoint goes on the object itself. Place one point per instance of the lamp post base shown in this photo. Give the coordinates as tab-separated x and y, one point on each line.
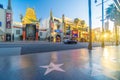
102	45
90	46
117	43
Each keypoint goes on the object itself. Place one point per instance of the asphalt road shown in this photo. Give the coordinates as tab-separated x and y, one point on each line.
38	47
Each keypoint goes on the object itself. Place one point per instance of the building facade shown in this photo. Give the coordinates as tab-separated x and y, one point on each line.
17	31
2	22
60	28
6	23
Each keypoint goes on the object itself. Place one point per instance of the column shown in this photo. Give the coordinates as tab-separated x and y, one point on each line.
37	30
24	32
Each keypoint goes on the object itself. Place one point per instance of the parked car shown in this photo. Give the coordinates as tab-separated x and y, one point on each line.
69	41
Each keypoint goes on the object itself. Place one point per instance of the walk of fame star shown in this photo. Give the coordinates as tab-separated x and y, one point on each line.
52	67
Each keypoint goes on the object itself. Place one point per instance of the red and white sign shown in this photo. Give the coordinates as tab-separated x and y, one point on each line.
8	20
74	33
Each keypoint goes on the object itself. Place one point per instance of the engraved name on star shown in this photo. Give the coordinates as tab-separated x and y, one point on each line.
52	67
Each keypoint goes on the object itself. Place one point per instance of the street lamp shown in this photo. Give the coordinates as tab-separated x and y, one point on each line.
103	23
90	26
102	44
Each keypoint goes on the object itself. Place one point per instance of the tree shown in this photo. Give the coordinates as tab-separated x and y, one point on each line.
114	15
76	22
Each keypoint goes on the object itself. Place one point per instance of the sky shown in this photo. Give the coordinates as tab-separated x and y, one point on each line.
70	8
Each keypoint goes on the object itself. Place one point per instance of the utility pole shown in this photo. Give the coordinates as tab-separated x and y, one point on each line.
102	44
90	26
116	2
116	34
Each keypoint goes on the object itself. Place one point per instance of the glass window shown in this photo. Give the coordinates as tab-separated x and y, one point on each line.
40	33
17	32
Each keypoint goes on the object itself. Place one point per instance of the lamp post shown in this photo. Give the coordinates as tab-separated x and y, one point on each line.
102	44
90	26
116	35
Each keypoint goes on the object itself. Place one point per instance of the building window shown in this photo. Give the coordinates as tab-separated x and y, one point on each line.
17	32
40	33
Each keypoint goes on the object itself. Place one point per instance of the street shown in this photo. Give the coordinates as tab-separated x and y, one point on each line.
78	64
38	47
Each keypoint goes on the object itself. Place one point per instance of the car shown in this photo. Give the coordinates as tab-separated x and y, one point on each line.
69	41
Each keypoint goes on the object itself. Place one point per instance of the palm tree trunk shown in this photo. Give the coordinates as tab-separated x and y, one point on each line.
116	34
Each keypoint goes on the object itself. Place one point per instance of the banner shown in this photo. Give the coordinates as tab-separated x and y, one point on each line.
8	20
0	24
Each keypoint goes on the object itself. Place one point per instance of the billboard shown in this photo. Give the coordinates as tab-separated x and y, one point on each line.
8	20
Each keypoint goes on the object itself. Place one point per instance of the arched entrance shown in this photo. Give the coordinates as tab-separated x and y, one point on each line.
50	39
58	38
30	32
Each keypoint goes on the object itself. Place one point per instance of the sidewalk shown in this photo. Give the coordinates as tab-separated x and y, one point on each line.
80	64
10	51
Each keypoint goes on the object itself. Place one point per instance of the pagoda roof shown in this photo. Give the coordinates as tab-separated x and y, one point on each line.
30	16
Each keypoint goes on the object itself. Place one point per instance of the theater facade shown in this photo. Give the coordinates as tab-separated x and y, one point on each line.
30	25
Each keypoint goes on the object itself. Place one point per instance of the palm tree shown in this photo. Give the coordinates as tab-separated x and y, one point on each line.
76	22
114	15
